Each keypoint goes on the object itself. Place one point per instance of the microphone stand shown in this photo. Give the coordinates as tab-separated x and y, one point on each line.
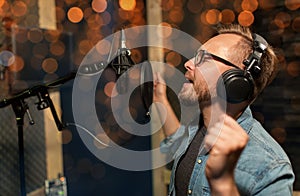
20	108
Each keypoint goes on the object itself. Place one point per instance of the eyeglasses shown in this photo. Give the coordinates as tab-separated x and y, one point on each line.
200	58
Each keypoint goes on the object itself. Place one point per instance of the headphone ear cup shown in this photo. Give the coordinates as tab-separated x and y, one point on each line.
235	86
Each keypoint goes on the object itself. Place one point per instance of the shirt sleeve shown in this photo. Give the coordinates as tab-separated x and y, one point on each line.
277	181
172	143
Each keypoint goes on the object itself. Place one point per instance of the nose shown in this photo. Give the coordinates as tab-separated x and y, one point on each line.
189	65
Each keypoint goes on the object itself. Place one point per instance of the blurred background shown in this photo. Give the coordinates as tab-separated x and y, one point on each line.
43	40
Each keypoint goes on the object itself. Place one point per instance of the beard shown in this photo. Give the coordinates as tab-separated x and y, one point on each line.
193	94
188	95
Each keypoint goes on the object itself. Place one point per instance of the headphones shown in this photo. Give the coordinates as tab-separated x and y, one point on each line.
237	85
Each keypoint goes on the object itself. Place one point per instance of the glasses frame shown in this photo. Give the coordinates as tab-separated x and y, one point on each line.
200	54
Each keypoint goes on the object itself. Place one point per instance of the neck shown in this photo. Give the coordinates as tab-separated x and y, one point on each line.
214	109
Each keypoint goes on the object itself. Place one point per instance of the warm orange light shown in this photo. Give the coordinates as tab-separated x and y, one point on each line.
66	136
18	64
109	89
166	31
50	65
227	16
212	16
35	35
292	4
176	15
267	4
125	15
103	47
173	58
57	48
85	46
194	6
136	55
19	8
60	14
282	20
246	18
94	21
296	24
293	68
127	4
249	5
134	74
2	2
99	6
52	35
214	1
70	2
167	5
75	14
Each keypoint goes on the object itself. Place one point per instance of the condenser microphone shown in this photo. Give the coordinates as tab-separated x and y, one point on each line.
7	58
121	63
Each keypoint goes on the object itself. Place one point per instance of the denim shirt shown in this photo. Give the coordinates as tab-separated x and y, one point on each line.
263	167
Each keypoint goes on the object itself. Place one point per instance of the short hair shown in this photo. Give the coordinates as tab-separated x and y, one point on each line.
269	60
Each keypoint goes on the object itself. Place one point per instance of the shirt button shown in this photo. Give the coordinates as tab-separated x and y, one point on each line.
189	191
199	161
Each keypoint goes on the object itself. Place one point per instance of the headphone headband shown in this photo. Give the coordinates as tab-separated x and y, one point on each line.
252	63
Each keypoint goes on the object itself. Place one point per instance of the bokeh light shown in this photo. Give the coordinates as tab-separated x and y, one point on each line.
166	31
292	4
104	47
18	64
66	136
227	16
249	5
267	4
173	58
212	16
99	6
110	89
2	2
127	4
19	8
176	15
246	18
49	65
293	68
296	24
282	20
60	14
35	35
75	14
194	6
167	5
57	48
85	46
136	55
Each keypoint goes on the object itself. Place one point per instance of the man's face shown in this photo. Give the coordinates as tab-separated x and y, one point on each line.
203	76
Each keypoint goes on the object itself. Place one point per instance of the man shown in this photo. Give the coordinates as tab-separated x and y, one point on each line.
240	157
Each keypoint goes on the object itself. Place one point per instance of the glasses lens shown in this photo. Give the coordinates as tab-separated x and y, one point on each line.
198	57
